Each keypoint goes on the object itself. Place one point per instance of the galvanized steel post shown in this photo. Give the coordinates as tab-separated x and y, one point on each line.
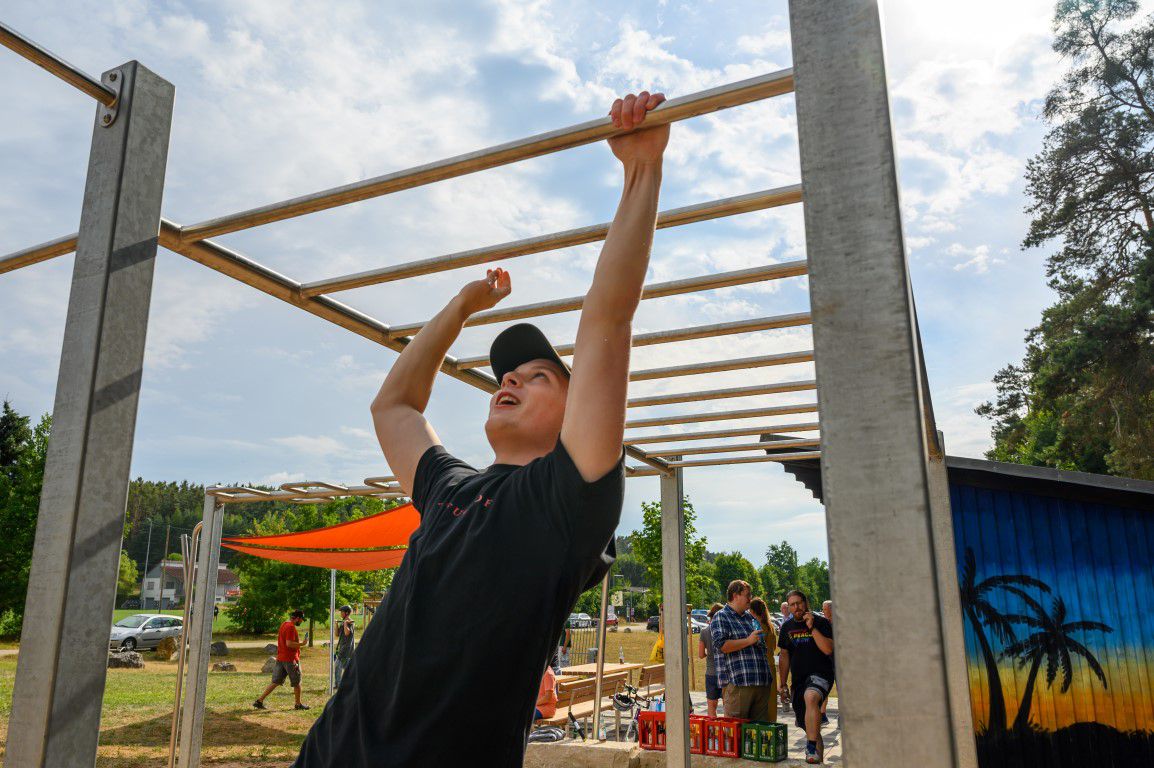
873	434
677	704
60	677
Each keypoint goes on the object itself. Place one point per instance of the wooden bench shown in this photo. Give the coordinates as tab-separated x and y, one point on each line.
651	675
577	696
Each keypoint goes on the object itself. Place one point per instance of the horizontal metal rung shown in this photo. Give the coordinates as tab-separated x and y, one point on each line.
735	447
49	61
717	462
38	253
714	209
681	108
718	366
719	394
679	334
654	291
678	437
692	418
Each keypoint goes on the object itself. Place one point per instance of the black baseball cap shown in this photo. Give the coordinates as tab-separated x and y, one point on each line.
517	345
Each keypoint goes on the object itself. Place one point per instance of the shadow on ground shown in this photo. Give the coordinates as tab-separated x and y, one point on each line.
221	729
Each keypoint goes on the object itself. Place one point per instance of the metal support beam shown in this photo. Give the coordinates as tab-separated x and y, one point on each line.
681	108
199	632
673	602
777	429
679	334
676	217
749	413
38	253
653	291
60	677
720	394
49	61
718	366
736	447
874	450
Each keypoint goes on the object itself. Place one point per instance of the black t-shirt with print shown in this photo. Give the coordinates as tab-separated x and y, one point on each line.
448	671
805	658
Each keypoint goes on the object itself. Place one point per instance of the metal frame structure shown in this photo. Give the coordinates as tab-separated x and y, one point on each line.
876	437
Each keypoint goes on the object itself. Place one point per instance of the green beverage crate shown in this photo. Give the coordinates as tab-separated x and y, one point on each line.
765	742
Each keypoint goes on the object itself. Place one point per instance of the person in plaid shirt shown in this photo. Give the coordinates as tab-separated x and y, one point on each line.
742	667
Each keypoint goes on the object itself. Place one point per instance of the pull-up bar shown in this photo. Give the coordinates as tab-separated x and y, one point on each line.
682	108
45	59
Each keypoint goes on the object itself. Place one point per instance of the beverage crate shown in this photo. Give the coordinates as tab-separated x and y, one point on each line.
651	730
723	736
765	742
697	734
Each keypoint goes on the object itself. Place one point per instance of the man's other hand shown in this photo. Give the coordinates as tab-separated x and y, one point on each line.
484	294
640	146
808	619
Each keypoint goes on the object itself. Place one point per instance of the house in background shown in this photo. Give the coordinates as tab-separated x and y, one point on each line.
164	585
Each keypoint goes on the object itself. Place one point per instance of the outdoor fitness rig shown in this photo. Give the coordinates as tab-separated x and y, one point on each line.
885	491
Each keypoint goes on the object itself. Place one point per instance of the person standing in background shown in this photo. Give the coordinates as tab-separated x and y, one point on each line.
705	651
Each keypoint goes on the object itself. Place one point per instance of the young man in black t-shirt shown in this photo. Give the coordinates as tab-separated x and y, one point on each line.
805	645
449	670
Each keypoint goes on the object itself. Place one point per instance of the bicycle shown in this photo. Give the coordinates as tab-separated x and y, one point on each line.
632	701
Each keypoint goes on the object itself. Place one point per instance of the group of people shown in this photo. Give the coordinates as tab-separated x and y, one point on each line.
739	648
288	654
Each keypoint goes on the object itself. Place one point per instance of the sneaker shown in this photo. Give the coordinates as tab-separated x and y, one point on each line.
258	704
811	754
824	719
301	706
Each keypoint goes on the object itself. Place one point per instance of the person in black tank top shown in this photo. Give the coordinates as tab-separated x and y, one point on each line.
514	543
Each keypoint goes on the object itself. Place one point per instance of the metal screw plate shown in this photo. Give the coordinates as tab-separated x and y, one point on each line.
106	116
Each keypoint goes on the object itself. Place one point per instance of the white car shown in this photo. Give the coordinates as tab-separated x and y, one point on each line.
144	630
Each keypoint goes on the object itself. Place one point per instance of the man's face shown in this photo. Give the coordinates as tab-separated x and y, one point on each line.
797	606
741	600
530	405
298	620
345	615
827	610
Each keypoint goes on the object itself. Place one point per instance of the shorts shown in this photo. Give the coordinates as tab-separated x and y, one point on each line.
289	669
712	689
812	683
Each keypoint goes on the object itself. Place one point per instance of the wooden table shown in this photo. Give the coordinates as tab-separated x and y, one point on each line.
585	670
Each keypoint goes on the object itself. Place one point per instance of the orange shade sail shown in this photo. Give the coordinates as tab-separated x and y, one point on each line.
367	544
391	528
364	560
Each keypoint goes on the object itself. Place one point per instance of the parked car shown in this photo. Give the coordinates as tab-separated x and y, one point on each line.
696	626
654	623
585	620
144	630
700	614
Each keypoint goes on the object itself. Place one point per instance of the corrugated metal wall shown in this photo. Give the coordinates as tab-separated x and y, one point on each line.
1060	591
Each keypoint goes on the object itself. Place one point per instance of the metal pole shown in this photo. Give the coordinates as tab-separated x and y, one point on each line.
332	628
49	61
144	578
681	108
779	388
60	677
874	450
188	552
673	601
198	633
600	656
675	437
163	561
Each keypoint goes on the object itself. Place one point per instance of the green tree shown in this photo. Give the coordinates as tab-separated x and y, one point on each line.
128	579
733	565
23	450
813	580
1083	397
271	589
646	544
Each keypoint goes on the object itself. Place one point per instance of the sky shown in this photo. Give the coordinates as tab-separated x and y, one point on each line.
277	99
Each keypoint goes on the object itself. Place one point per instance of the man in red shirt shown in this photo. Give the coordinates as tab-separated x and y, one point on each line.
288	656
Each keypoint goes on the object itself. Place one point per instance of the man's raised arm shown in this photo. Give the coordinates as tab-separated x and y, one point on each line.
398	410
594	423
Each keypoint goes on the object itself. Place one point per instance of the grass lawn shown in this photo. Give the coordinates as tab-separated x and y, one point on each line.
137	710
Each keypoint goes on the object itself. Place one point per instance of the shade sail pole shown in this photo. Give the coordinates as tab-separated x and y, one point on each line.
332	626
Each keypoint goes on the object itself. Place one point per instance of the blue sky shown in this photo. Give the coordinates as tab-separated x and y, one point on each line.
278	99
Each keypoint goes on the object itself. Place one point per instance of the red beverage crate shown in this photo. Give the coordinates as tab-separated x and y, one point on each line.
697	734
723	736
651	730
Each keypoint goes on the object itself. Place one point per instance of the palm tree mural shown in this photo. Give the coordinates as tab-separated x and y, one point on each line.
980	611
1053	643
